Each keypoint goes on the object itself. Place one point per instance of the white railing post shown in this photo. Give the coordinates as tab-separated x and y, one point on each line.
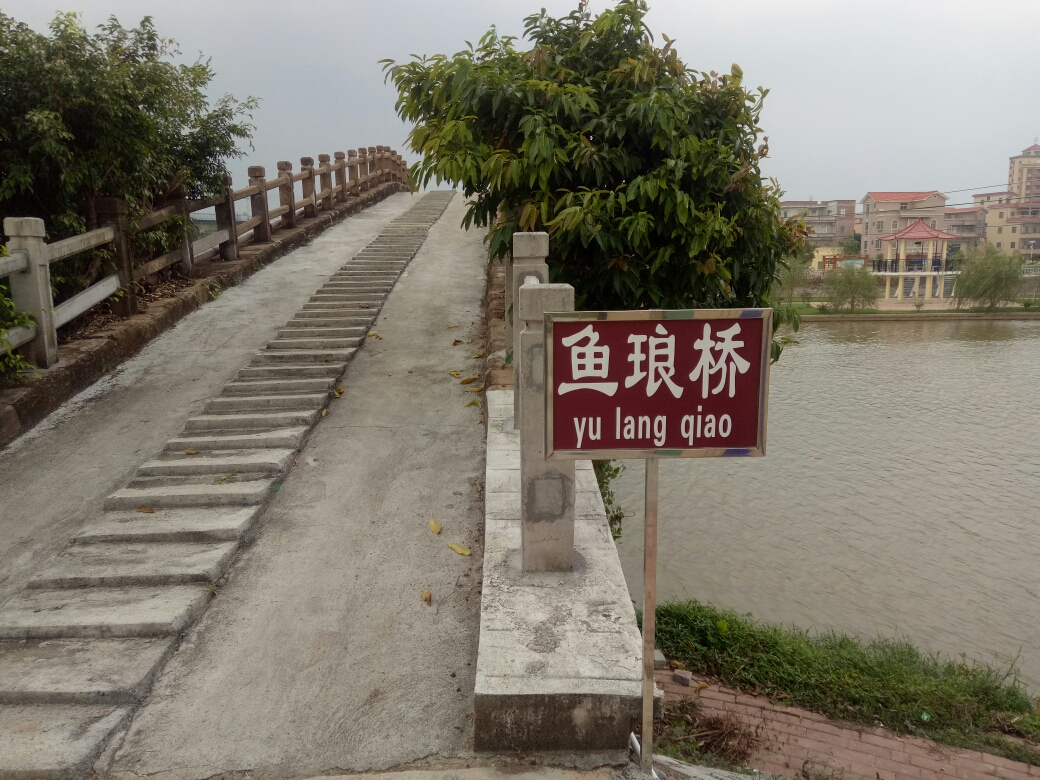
31	288
528	261
546	487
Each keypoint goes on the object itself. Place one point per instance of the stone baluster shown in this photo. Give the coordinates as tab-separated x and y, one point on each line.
31	288
325	164
363	168
287	194
352	165
310	207
372	164
546	487
111	212
341	176
258	204
226	220
528	260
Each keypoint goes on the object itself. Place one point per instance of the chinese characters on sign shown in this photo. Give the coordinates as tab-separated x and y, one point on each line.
643	382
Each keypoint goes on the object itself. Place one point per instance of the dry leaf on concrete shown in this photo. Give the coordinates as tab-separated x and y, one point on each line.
454	374
427	596
459	548
324	412
452	326
474	389
373	334
473	402
364	306
469	380
456	342
147	510
478	355
435	526
191	452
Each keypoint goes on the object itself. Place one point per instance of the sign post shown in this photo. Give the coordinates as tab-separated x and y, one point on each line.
652	385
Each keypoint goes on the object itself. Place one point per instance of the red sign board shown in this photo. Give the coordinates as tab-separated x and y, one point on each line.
639	384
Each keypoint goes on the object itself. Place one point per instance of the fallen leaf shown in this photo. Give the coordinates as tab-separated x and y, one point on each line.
339	389
435	526
478	355
452	326
702	686
364	306
338	393
373	334
456	342
191	452
480	421
473	402
454	374
147	510
324	412
469	341
427	596
459	548
469	380
474	389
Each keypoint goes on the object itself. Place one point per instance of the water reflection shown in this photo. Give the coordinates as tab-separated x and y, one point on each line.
900	494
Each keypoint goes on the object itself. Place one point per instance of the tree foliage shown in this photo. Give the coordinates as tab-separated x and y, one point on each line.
987	277
855	287
111	113
645	173
850	246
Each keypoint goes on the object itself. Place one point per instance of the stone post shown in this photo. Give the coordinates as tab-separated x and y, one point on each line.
528	260
546	487
226	220
381	164
363	164
31	288
325	164
258	204
287	194
187	249
310	207
372	163
352	164
341	176
111	212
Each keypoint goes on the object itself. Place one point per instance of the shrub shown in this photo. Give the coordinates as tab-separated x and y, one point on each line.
853	287
644	172
988	278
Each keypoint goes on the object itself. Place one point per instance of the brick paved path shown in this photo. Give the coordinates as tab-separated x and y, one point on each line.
799	743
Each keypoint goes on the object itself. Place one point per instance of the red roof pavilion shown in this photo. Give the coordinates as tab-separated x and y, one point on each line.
919	232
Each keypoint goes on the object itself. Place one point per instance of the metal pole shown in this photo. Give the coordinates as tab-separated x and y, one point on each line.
646	759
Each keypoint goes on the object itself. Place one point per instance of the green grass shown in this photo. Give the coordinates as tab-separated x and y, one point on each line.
885	681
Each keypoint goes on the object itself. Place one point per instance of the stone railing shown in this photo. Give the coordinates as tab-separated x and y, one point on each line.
333	180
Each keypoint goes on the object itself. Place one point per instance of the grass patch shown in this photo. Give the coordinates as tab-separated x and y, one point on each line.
684	733
885	682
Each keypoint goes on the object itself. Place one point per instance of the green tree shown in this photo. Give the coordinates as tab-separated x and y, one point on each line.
644	172
850	247
86	115
987	277
855	287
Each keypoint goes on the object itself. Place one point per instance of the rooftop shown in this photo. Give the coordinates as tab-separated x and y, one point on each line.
901	196
918	231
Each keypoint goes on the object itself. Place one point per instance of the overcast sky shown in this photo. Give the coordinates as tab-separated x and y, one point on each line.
888	95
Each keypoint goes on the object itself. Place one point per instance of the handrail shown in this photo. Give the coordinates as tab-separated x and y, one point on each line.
355	172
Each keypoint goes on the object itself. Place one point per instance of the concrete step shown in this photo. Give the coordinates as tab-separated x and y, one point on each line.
314	343
360	320
356	288
303	356
80	671
171	496
259	403
346	283
333	370
322	333
197	524
266	461
102	612
373	300
268	421
289	437
119	564
339	307
57	742
280	386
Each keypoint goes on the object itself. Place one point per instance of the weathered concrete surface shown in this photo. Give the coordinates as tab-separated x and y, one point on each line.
70	737
499	773
559	665
319	653
94	442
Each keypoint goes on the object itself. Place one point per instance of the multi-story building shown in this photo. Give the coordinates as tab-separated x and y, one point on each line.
831	221
885	213
1024	173
968	224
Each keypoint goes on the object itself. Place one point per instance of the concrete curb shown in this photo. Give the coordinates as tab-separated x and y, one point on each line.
84	361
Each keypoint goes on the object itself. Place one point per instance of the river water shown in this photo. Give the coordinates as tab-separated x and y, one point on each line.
900	495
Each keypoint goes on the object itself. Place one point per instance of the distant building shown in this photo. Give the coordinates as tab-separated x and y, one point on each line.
1024	174
885	213
968	224
832	221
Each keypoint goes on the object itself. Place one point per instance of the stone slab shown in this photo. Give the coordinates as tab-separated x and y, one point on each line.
54	742
336	356
266	421
321	384
169	496
289	438
314	343
80	671
331	369
253	403
199	524
265	461
121	564
318	331
102	612
559	666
